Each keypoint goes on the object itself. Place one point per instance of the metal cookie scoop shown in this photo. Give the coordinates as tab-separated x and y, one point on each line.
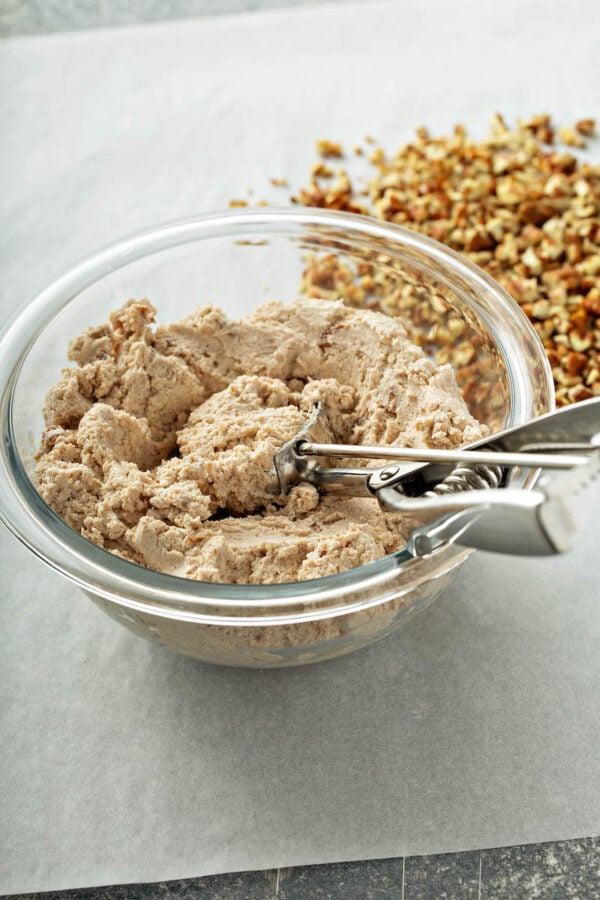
470	503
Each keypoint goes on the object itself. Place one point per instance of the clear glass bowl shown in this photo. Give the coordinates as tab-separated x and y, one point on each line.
238	260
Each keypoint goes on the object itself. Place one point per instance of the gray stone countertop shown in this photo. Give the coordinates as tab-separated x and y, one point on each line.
552	871
19	17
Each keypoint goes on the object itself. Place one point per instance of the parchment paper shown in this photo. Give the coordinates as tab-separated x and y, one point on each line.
475	726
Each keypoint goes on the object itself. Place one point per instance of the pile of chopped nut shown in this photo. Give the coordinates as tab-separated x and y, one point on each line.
526	212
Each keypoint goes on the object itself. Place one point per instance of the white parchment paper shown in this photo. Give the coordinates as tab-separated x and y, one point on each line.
475	726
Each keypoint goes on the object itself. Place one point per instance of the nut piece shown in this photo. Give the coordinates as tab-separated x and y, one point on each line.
586	127
570	137
329	148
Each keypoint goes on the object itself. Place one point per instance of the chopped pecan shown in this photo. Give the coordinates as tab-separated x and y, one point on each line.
526	213
329	148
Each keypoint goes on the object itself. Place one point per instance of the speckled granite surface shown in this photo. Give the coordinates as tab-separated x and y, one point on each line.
569	870
554	871
38	16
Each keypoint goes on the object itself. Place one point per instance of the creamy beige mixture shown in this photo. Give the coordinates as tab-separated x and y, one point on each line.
160	440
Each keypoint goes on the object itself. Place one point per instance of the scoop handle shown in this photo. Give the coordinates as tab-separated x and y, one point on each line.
573	428
540	522
502	521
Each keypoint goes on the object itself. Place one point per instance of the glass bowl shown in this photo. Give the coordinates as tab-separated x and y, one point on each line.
237	260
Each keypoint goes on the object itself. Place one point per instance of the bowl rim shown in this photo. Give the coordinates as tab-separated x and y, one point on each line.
101	572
